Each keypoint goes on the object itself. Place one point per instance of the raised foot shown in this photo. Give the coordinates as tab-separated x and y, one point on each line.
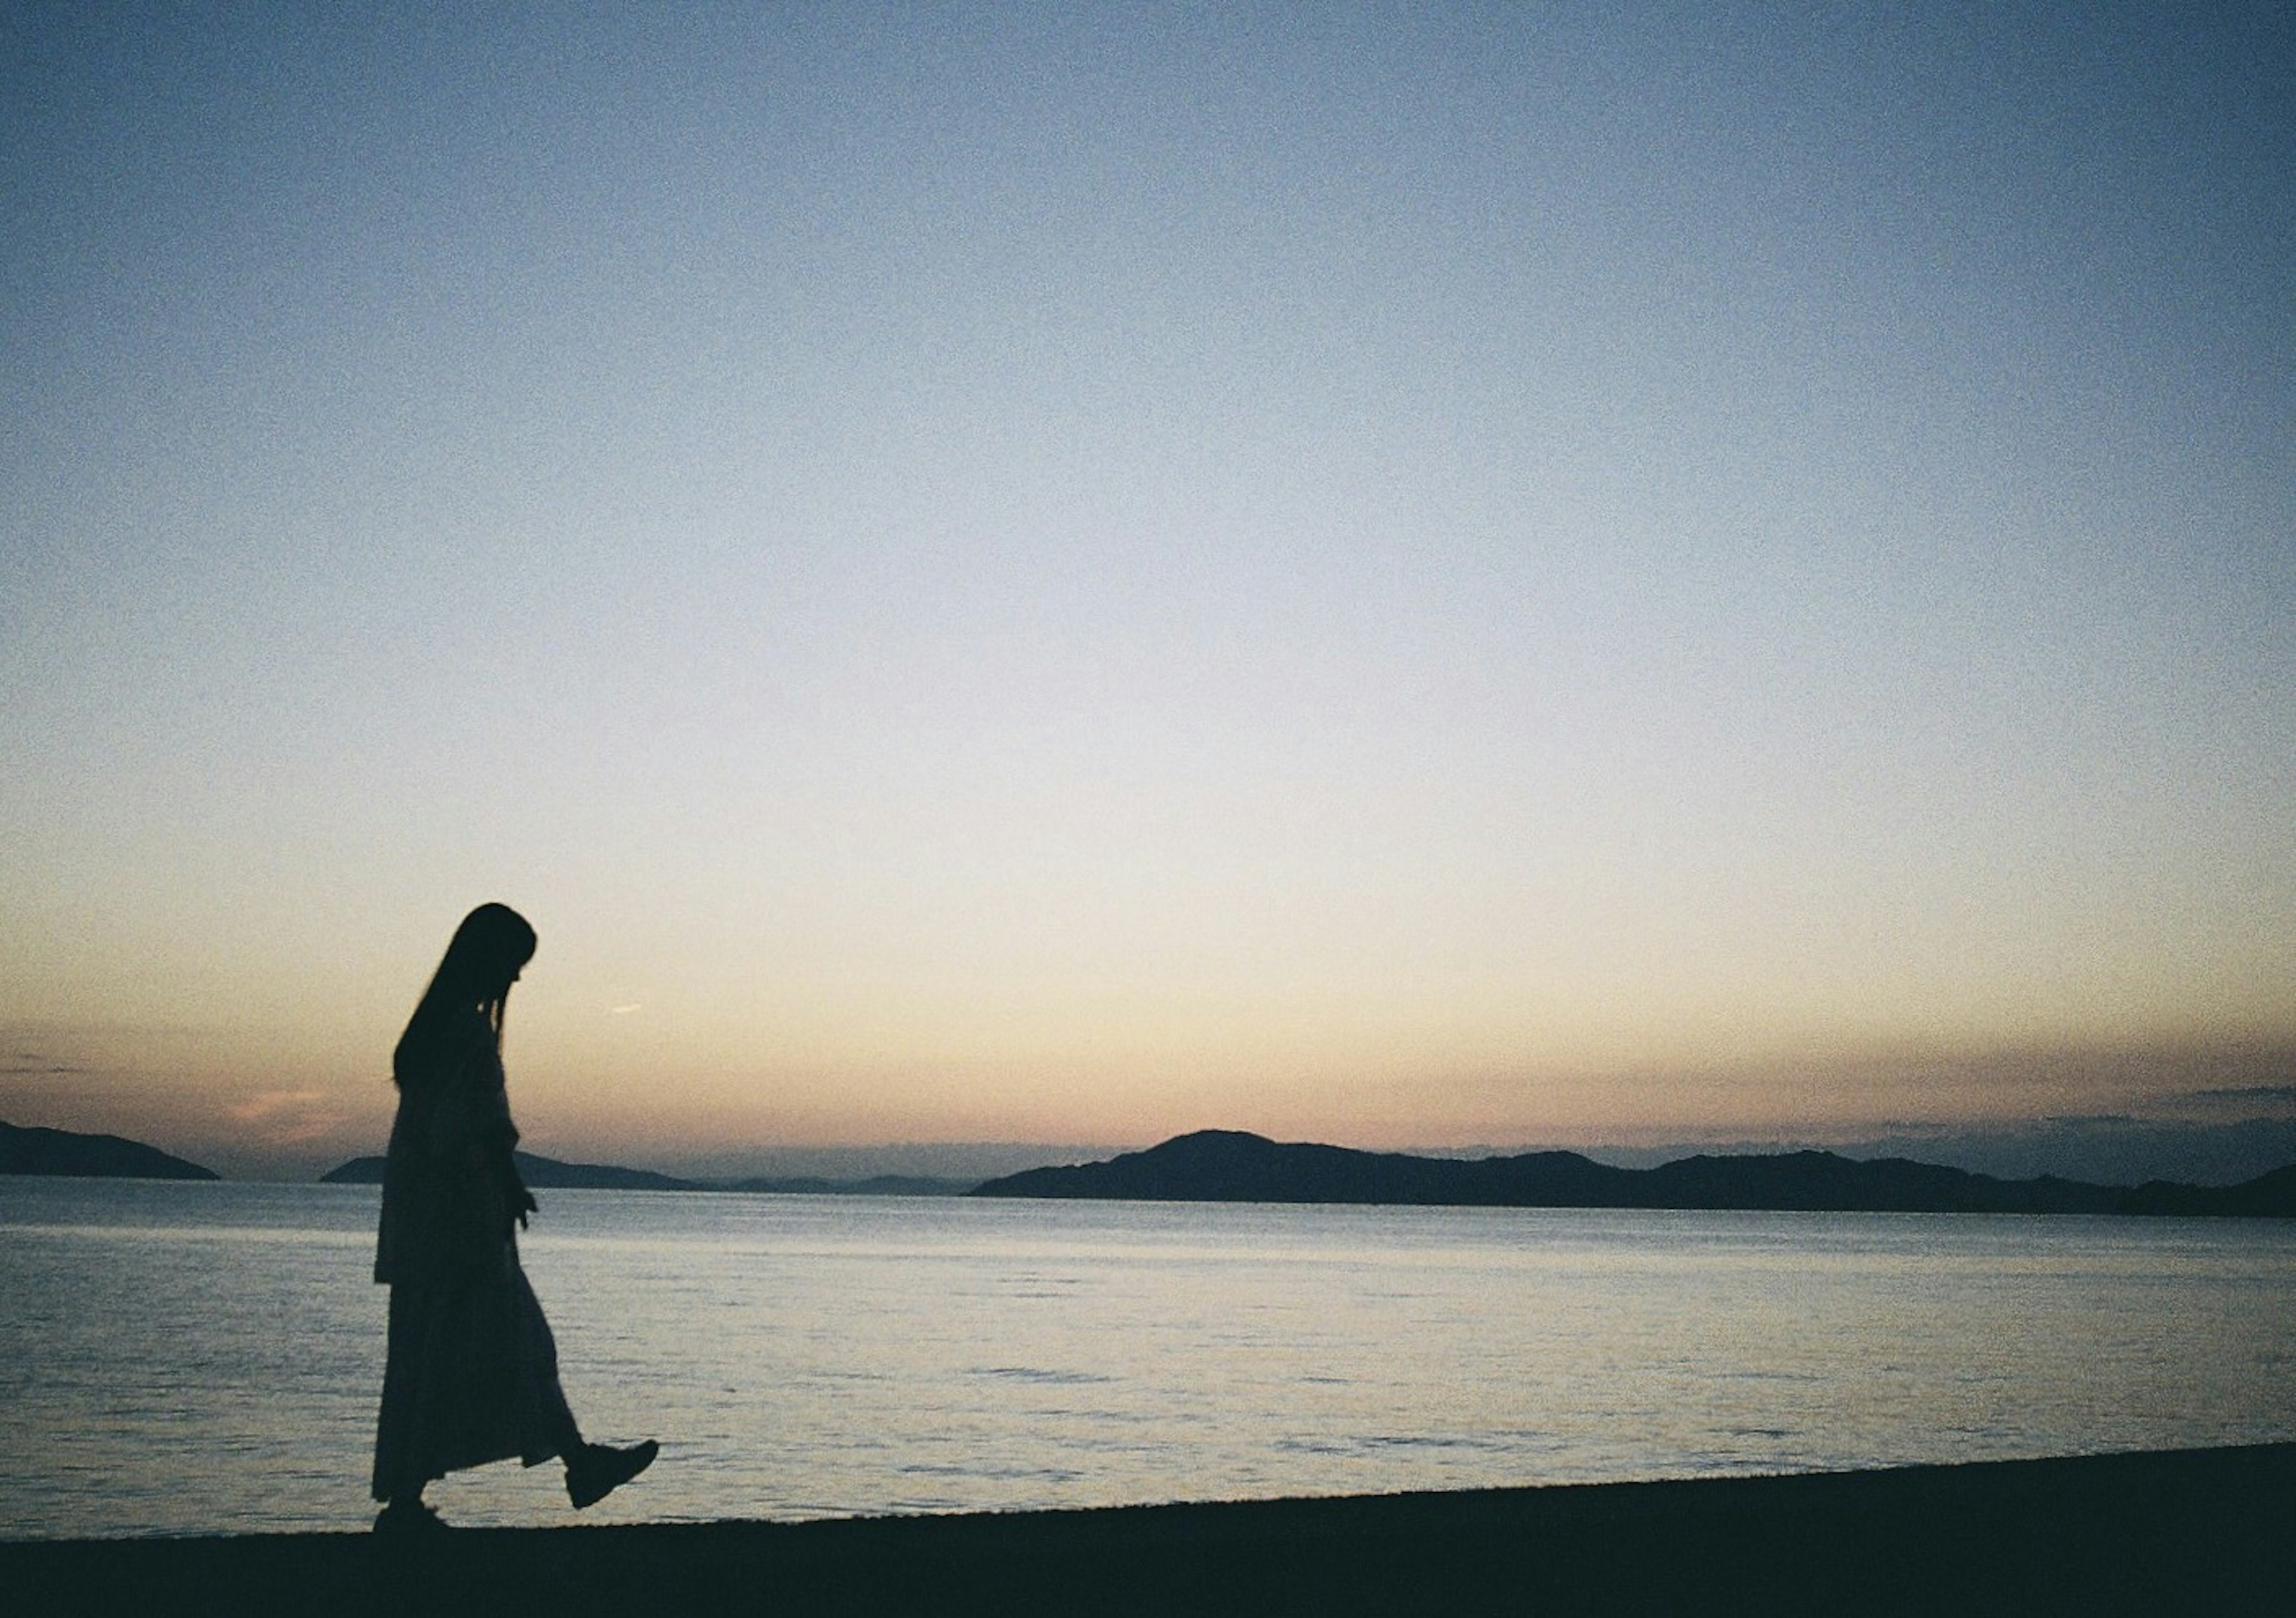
596	1470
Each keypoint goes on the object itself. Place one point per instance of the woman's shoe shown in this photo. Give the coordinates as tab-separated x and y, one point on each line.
595	1471
408	1517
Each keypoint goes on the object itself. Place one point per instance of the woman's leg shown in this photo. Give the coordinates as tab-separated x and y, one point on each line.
397	1470
546	1423
399	1473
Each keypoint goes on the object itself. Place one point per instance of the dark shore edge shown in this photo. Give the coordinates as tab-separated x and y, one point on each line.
2164	1532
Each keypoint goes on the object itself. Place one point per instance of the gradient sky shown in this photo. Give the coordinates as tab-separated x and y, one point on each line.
1400	575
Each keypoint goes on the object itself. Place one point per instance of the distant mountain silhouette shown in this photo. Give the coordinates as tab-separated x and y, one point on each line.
876	1185
35	1151
1226	1165
542	1173
549	1174
2267	1195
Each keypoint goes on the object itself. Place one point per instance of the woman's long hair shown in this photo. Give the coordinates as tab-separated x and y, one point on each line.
485	954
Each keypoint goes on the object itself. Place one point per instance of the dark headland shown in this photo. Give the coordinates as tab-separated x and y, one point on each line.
1228	1165
2187	1532
61	1152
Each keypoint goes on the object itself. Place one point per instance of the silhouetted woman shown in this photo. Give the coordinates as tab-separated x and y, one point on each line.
472	1376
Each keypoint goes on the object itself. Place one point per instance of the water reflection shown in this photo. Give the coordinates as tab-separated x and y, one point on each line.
199	1357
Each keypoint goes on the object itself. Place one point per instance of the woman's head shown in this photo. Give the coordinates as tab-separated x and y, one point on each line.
482	960
486	955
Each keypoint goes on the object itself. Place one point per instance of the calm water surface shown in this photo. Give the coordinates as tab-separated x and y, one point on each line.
180	1359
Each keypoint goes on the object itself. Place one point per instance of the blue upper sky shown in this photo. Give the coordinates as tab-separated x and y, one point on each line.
1401	574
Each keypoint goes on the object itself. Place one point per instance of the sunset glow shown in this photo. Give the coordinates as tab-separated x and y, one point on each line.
1419	576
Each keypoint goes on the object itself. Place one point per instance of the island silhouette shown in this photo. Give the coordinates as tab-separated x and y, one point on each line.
1230	1165
1234	1166
76	1156
548	1173
544	1173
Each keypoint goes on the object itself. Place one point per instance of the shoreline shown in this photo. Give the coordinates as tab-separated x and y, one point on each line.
2150	1531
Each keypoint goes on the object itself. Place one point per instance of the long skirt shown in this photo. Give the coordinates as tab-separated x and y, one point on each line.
471	1378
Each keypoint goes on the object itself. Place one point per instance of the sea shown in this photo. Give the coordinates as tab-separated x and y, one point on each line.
204	1357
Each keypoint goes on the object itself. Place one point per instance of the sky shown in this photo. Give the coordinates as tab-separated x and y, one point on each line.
1398	575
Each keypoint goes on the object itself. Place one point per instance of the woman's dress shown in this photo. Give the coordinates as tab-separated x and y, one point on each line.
473	1372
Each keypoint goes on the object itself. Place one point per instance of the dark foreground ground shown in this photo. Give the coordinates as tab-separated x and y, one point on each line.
2190	1531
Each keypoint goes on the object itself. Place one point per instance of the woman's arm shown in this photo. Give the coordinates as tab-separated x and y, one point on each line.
471	1140
518	1202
